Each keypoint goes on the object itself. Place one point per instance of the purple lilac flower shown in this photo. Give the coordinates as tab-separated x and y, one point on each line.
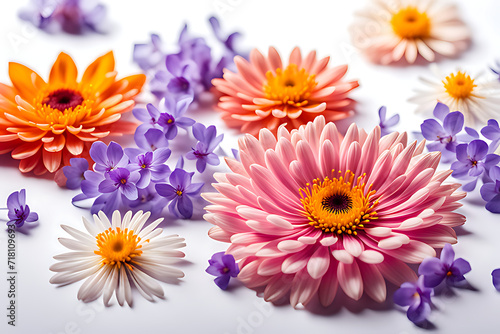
170	122
152	140
473	161
19	212
73	16
151	165
443	137
224	267
207	143
121	180
75	172
149	56
386	124
418	297
492	132
147	200
496	278
180	191
107	158
446	268
490	191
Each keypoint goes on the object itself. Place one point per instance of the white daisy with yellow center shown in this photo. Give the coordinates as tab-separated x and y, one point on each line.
475	97
115	253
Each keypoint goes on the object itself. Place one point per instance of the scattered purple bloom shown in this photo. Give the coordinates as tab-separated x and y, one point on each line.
473	161
19	212
170	122
75	172
151	165
122	180
386	124
207	143
418	297
107	158
446	268
149	55
180	192
492	132
72	16
152	140
443	136
490	191
224	267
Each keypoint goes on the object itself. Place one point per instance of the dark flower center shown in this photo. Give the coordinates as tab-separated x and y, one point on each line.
63	99
337	203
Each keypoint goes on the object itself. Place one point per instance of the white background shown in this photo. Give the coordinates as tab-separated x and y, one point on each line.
197	305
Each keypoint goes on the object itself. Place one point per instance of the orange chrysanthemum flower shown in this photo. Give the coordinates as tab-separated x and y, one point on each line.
44	124
266	93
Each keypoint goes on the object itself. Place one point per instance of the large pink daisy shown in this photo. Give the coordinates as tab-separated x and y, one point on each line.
265	92
309	211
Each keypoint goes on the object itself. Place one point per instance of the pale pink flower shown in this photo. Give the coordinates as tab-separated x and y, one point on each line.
387	31
310	211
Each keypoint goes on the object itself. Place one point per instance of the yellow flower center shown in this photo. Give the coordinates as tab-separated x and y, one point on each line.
179	193
459	86
57	108
410	23
338	205
290	86
117	247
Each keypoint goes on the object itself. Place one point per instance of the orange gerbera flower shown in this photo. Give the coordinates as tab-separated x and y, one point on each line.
44	124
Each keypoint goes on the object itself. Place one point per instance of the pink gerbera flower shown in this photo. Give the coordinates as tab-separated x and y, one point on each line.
309	211
266	93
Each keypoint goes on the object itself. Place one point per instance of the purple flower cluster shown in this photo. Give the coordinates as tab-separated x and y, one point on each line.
140	178
433	272
471	157
189	71
72	16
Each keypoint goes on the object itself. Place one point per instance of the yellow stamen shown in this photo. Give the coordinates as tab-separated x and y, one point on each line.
179	193
338	205
410	23
460	85
118	247
290	86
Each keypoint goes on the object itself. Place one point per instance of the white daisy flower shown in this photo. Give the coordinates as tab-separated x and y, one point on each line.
477	99
112	254
387	30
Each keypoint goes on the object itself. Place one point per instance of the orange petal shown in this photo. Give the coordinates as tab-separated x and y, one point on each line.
6	147
31	135
63	71
74	145
51	160
96	73
25	80
7	92
26	150
55	145
27	165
